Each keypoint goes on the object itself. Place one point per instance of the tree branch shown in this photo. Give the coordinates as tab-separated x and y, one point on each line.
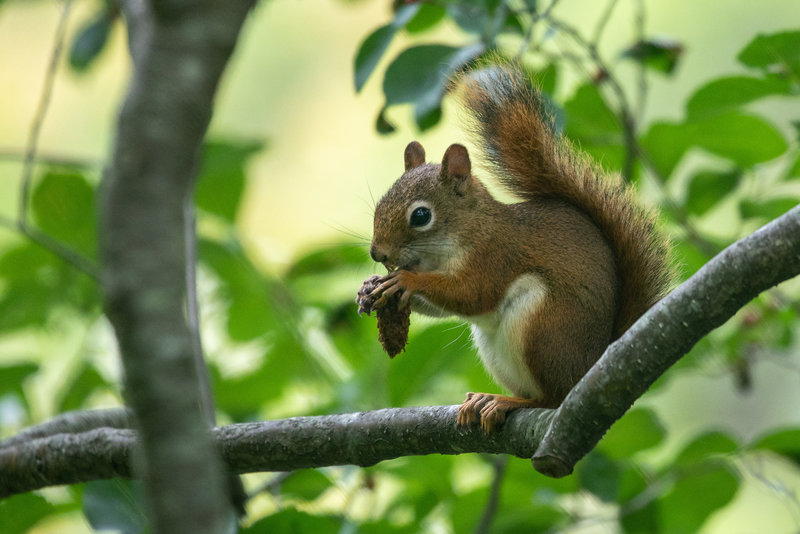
359	439
556	439
665	333
179	52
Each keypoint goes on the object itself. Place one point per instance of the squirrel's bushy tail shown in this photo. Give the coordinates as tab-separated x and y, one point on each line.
532	161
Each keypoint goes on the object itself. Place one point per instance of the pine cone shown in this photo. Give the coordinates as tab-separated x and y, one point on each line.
393	321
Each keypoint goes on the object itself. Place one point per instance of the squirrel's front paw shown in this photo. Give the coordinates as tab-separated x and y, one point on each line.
368	294
396	282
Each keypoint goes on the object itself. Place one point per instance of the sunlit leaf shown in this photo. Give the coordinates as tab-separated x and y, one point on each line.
774	53
222	176
63	205
785	442
638	430
704	446
307	484
12	378
115	504
19	513
323	261
87	380
595	128
726	93
744	139
766	209
708	188
694	497
291	521
666	143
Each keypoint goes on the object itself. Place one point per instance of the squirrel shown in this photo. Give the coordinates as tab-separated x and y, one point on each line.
547	283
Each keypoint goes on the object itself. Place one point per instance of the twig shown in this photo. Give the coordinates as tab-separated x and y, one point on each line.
41	112
60	250
603	21
641	95
73	423
499	465
9	154
627	120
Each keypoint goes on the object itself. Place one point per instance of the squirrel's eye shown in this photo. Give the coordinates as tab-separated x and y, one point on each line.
419	217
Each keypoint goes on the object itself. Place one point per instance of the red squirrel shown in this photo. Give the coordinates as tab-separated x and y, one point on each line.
546	283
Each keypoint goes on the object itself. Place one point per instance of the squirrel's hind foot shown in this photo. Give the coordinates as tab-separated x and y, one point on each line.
490	409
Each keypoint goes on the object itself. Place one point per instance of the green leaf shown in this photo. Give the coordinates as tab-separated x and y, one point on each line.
115	504
766	209
322	261
370	52
638	430
307	484
665	144
84	384
222	176
31	278
291	521
694	498
689	257
382	124
794	169
19	513
724	94
744	139
708	188
640	520
774	53
428	16
661	55
63	205
420	75
595	128
250	310
785	442
12	378
376	43
632	483
600	475
90	41
704	446
428	354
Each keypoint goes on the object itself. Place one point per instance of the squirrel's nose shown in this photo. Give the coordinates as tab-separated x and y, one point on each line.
377	254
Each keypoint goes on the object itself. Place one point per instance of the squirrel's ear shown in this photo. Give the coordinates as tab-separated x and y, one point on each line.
456	166
414	155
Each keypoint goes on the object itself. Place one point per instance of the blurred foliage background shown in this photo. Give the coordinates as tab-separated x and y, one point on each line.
695	102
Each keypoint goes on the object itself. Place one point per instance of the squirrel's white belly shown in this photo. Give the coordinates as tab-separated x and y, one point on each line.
500	335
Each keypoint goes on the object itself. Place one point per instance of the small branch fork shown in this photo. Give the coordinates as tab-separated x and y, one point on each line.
555	439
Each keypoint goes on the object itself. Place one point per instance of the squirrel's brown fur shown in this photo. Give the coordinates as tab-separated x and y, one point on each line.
547	283
516	132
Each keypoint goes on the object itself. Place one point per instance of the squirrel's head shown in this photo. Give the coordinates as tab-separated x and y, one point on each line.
420	221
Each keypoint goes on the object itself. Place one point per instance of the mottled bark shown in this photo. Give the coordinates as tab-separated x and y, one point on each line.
179	51
358	439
